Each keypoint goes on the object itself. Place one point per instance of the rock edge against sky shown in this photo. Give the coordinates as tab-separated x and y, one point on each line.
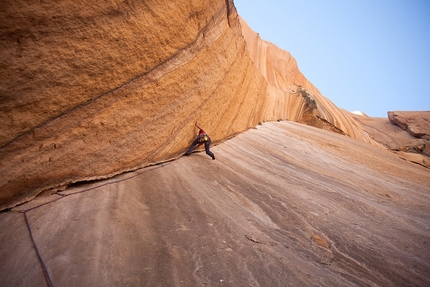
91	93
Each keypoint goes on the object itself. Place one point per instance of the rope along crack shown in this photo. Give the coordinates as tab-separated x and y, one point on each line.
62	196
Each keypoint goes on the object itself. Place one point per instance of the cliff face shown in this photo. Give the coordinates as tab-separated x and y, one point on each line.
405	133
303	102
90	93
284	204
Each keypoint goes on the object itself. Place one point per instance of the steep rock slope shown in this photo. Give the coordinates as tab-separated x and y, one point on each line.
304	103
284	204
90	93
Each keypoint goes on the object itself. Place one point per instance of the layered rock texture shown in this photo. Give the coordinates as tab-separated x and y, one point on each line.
283	204
90	93
415	123
90	90
405	133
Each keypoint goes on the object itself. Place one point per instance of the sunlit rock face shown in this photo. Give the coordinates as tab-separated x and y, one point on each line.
90	93
284	204
303	102
415	123
405	133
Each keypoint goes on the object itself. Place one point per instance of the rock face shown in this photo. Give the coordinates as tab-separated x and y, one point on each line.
283	204
415	123
97	91
90	93
305	104
406	133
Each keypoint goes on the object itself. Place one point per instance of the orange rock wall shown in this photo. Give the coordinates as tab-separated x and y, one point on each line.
90	93
284	78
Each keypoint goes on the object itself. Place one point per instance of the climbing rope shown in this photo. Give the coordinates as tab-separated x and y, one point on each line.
45	270
24	212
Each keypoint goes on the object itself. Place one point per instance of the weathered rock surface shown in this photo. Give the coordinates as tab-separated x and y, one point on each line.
415	123
305	103
90	93
406	133
284	204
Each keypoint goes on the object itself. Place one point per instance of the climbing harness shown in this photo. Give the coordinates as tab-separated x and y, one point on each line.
203	138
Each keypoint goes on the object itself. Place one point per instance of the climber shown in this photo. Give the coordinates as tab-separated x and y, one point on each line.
202	138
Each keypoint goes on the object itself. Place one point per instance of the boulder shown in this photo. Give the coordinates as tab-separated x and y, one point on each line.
284	204
395	133
415	123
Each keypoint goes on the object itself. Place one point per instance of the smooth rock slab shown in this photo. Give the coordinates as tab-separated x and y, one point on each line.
247	218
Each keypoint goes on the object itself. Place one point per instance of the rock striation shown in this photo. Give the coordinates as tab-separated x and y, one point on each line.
405	133
284	204
90	93
415	123
304	103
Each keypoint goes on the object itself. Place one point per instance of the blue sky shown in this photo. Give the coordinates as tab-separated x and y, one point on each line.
364	55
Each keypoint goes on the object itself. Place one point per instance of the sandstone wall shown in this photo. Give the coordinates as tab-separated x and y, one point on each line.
88	93
90	90
305	104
